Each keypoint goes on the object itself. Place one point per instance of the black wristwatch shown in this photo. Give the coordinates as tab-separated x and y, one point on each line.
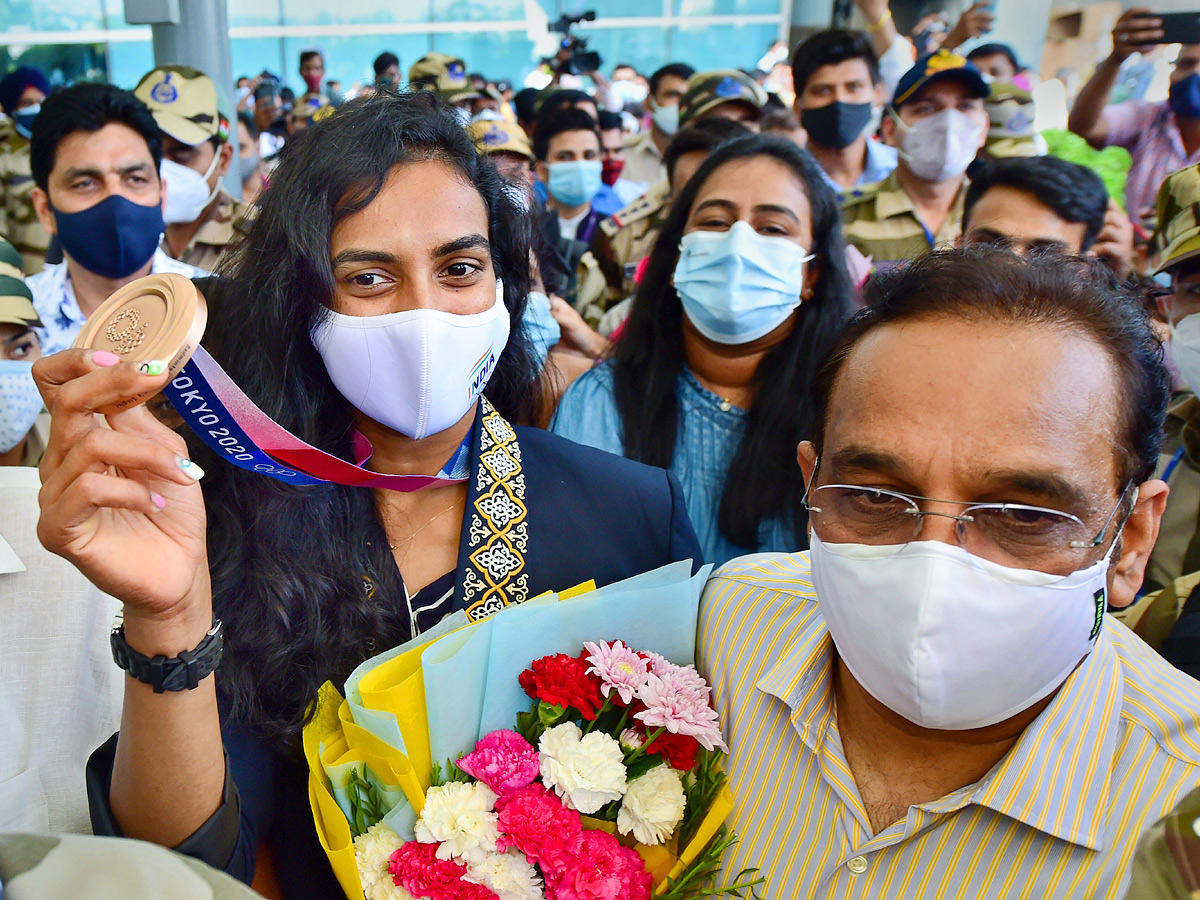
182	672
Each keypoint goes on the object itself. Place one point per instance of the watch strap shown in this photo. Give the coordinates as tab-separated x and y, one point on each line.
176	673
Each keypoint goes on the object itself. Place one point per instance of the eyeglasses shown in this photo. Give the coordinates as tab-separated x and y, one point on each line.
1007	533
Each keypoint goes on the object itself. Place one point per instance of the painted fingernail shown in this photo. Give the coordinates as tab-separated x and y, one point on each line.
152	367
190	469
105	358
158	500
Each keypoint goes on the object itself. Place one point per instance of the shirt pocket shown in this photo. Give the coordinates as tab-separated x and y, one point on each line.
23	804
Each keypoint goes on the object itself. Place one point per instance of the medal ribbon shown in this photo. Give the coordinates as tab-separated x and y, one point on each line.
238	431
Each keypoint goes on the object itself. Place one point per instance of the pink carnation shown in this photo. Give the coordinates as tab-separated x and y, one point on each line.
677	699
535	821
618	668
416	868
503	760
600	868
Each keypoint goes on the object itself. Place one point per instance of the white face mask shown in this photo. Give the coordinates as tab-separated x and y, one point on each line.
949	640
1185	349
666	118
188	193
20	402
940	147
416	371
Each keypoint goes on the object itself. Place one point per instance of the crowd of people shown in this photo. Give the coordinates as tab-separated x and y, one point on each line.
917	377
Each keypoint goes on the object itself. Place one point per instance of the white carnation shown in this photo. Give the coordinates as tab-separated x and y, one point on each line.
372	852
507	875
653	805
459	817
586	770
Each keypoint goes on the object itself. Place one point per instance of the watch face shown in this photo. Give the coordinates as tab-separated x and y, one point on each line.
159	318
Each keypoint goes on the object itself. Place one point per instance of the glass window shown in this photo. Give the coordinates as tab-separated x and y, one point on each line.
495	55
349	59
128	61
254	12
49	15
61	63
645	48
480	10
251	55
350	12
612	8
725	7
722	46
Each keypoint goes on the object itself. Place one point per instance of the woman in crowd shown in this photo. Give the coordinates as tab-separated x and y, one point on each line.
383	232
741	300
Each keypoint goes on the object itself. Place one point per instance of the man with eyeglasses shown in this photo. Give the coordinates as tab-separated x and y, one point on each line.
932	702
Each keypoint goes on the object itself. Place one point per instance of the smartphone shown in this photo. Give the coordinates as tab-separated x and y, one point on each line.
1179	28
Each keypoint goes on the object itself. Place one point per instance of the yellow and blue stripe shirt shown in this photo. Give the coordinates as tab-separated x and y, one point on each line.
1058	817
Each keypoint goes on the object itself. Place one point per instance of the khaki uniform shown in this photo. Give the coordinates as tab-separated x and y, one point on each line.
18	222
227	225
643	162
880	221
1177	551
624	240
1167	864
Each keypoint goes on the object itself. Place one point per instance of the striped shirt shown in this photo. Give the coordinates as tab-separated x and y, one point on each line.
1151	135
1058	817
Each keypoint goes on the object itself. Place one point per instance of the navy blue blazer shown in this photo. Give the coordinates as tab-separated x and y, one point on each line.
588	514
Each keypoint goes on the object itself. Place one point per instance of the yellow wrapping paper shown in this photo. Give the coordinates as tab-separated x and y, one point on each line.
332	739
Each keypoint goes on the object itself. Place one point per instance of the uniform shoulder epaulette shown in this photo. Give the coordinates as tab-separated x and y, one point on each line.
643	207
854	196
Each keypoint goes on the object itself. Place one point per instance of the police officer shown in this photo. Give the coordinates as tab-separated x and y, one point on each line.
21	94
937	122
203	221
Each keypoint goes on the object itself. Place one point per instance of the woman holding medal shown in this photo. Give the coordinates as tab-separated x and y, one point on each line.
380	288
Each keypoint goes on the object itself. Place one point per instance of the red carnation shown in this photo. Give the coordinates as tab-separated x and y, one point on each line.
679	750
562	680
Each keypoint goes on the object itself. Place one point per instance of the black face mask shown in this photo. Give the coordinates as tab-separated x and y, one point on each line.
836	125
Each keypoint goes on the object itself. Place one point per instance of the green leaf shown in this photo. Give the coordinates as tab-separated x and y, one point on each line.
551	714
366	807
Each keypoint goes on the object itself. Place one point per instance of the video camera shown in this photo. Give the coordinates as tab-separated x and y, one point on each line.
578	60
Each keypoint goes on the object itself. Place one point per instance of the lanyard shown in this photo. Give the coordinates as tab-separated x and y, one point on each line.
238	431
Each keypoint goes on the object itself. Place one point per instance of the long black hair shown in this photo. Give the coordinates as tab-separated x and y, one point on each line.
763	480
303	576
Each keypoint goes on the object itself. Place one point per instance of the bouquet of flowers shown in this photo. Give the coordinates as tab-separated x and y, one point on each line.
608	785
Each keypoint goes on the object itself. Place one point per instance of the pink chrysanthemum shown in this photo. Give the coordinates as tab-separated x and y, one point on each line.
503	760
417	869
618	668
600	868
677	699
535	821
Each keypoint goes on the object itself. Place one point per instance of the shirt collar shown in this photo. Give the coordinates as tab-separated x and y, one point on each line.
802	680
1056	777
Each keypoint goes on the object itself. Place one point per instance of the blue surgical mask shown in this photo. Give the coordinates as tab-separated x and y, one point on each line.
575	183
1184	97
114	238
540	326
20	402
23	120
738	285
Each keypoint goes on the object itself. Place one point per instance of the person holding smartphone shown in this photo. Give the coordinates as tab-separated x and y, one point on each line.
1162	137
